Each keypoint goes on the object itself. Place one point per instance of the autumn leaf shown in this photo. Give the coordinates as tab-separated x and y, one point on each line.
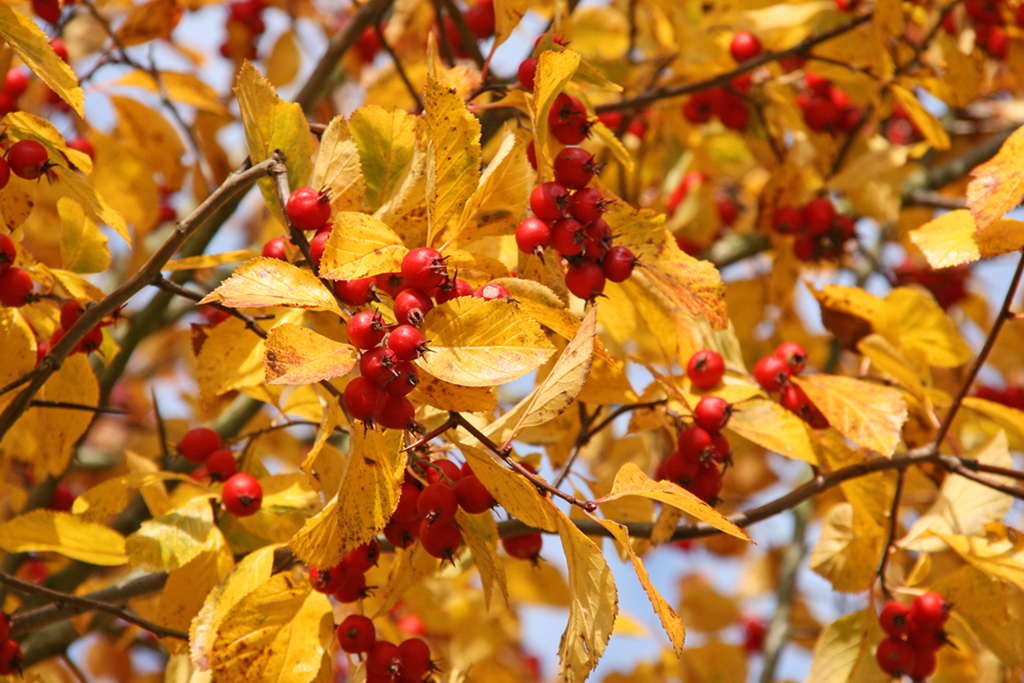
481	535
998	183
1009	418
447	396
926	330
267	282
30	43
149	21
850	313
481	343
112	495
188	585
172	540
210	260
386	138
931	128
83	247
846	558
512	490
952	239
507	14
869	414
42	531
845	651
183	88
338	168
768	424
298	355
359	246
554	71
91	201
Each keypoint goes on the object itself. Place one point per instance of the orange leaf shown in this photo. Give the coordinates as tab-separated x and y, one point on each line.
297	355
998	183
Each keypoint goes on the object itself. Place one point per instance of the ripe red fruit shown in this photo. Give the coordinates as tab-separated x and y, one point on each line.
712	413
308	208
707	483
451	289
61	500
84	146
525	547
355	292
5	626
92	341
327	580
70	312
924	665
366	329
47	10
754	631
771	372
275	248
587	205
352	588
60	48
695	442
440	539
492	291
383	660
8	252
820	114
681	468
895	656
437	503
818	215
405	380
787	220
480	19
533	235
720	448
5	171
221	465
571	132
531	154
407	343
894	618
242	495
929	611
549	201
568	237
744	46
356	633
363	558
794	355
397	412
805	247
796	401
411	306
368	44
407	502
10	658
732	112
618	264
197	444
473	496
705	369
527	74
566	109
586	280
424	268
363	399
411	623
574	167
28	159
317	246
415	659
452	471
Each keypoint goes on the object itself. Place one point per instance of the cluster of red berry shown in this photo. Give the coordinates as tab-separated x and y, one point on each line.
408	662
10	651
15	283
827	108
821	232
15	85
900	129
242	495
773	373
70	312
727	104
244	27
726	204
947	285
915	636
347	580
49	10
479	20
989	19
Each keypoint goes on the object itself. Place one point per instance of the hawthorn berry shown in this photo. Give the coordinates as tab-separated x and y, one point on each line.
92	341
411	306
818	215
571	132
407	342
10	658
452	472
695	442
744	46
549	201
720	448
527	74
411	623
618	264
929	610
568	237
327	580
377	365
424	268
705	369
197	444
47	10
363	558
70	312
525	547
317	245
221	465
308	208
62	500
406	510
390	283
700	107
351	588
480	19
923	638
794	355
712	413
531	154
441	539
5	172
894	618
405	380
586	280
681	468
587	205
472	495
820	114
895	656
5	626
771	372
416	662
356	633
363	399
451	289
795	400
754	631
397	412
787	220
275	248
383	660
366	329
437	503
28	159
492	291
355	292
598	239
532	236
566	109
574	168
707	483
242	495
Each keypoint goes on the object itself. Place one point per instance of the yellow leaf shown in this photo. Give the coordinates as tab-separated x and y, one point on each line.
181	87
1009	418
952	239
46	531
631	481
19	344
87	196
446	396
272	124
171	541
210	260
298	355
359	246
112	495
187	586
554	70
1000	553
453	151
670	621
845	651
482	343
890	361
231	358
714	661
594	603
337	167
930	127
998	183
703	608
154	138
850	313
843	556
512	491
83	248
253	571
507	14
926	330
481	535
768	424
963	506
386	138
367	497
267	282
277	633
31	44
870	415
610	140
46	437
149	21
410	567
284	61
325	474
23	125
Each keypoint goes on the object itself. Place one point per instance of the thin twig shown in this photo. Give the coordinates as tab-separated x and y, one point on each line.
468	39
398	67
894	523
39	403
446	45
186	293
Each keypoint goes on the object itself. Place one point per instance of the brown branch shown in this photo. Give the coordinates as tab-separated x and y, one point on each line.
894	513
933	200
87	604
39	403
186	293
399	68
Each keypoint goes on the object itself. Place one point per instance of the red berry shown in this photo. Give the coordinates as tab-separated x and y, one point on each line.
28	159
549	201
407	342
411	306
5	626
84	146
525	547
585	281
452	472
894	618
700	107
923	666
397	412
564	110
440	539
356	633
618	264
197	444
598	239
733	112
788	220
62	500
416	662
437	503
451	289
10	658
531	154
317	246
384	660
5	173
805	246
712	413
720	446
571	132
368	45
221	465
480	19
328	580
754	632
363	399
695	442
929	610
744	46
587	205
796	401
895	656
308	208
574	168
70	312
60	47
15	83
390	283
473	496
406	379
492	292
794	355
817	83
92	341
681	468
424	268
707	483
568	237
533	235
820	114
527	74
818	215
771	372
402	534
355	292
47	10
352	588
275	248
366	329
705	369
363	558
407	503
242	495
